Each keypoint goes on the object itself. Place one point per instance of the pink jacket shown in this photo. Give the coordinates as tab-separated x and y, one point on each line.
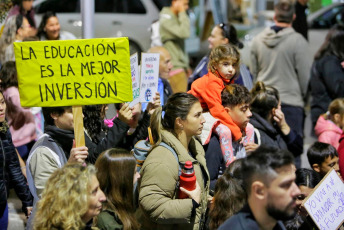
327	132
21	120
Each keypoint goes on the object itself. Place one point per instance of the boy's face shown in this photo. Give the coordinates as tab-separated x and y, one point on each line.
240	115
327	165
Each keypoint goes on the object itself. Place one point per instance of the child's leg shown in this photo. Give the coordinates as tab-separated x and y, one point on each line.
225	138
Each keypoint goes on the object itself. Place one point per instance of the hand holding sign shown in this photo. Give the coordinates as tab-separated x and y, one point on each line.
78	154
155	104
125	113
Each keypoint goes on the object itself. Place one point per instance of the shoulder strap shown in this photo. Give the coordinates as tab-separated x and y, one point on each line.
174	154
257	135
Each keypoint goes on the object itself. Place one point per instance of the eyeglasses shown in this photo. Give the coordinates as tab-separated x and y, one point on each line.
224	27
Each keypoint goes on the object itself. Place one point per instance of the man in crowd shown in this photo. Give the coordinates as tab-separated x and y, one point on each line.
280	57
269	180
174	29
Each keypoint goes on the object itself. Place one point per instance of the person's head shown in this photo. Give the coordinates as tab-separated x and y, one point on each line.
336	110
94	121
264	100
306	179
224	33
70	199
236	101
26	5
8	75
224	61
23	27
332	43
2	107
50	26
183	114
269	180
322	157
61	117
178	6
118	184
165	62
229	196
284	11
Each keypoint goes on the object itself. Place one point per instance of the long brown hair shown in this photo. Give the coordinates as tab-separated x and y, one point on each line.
115	172
229	196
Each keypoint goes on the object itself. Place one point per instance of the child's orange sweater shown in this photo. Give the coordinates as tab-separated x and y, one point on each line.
208	90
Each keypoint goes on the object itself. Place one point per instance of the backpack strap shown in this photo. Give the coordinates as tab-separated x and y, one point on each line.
179	169
257	135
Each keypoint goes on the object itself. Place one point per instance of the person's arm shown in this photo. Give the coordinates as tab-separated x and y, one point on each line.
254	61
333	74
156	194
169	29
18	180
303	64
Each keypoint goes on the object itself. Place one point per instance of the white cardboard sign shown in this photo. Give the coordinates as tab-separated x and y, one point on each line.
149	76
326	203
135	78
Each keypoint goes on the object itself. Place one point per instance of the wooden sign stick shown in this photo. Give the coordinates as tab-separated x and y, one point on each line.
78	126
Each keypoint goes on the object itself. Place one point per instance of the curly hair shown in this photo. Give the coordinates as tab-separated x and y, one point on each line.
229	196
118	184
93	121
224	52
65	198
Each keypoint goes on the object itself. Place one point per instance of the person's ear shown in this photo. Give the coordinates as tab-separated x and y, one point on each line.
179	124
337	118
227	109
316	167
258	190
225	41
54	116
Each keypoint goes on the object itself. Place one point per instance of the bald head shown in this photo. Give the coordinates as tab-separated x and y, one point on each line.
165	64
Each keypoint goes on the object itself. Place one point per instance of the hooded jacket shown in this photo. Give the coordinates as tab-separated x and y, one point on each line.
283	61
328	132
161	209
271	136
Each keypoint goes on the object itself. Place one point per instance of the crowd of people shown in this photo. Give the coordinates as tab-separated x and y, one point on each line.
241	127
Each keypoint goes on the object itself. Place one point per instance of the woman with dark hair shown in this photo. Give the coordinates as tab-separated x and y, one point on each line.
118	186
306	180
159	203
229	196
271	128
49	28
222	34
16	28
21	120
24	8
10	172
327	74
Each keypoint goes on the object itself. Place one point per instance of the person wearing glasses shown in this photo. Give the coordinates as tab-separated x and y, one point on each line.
223	33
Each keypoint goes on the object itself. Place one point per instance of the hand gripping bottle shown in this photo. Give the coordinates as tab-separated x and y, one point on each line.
187	179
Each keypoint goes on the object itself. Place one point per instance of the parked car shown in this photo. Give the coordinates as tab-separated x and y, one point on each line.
319	24
112	18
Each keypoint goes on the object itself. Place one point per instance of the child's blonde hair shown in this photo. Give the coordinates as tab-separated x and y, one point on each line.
224	52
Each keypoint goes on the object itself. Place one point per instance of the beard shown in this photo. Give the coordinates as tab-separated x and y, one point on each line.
278	214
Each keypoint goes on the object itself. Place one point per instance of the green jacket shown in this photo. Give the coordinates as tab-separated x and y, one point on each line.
108	220
173	31
160	209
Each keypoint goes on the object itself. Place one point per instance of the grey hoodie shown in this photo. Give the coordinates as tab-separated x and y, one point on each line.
283	61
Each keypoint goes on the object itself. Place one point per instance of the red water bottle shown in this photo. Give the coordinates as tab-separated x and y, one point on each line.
187	179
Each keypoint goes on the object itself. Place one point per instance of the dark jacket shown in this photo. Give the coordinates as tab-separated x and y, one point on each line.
140	133
215	162
271	136
244	220
10	172
300	24
326	84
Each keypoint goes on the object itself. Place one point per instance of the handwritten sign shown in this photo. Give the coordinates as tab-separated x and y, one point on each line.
149	76
73	72
326	203
135	78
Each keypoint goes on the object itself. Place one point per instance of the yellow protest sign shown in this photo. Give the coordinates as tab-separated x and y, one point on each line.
73	72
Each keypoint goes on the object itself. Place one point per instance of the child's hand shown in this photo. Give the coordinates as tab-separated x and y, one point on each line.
250	147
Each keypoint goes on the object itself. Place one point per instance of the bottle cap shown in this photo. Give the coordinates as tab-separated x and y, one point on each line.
188	165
